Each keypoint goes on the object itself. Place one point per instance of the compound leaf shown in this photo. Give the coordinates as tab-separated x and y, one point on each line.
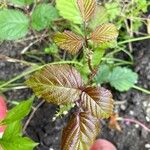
104	33
123	78
58	84
98	101
69	10
87	8
13	24
68	41
80	132
43	15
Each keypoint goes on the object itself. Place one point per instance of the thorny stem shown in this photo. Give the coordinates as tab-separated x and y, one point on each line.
89	55
134	121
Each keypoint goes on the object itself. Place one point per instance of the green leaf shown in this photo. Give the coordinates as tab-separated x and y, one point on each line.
18	143
21	2
12	130
123	78
98	101
103	74
13	140
13	24
97	56
43	15
57	84
69	10
81	132
84	70
113	10
52	49
18	112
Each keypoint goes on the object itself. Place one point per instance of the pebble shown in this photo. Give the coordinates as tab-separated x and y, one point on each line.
131	112
136	125
51	149
147	145
123	107
147	119
145	104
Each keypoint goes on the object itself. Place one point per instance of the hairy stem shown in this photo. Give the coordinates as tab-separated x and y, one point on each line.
35	68
134	121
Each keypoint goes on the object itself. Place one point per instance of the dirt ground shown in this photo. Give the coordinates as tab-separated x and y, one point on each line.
48	133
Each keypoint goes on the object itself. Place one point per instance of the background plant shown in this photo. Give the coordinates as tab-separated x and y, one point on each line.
13	137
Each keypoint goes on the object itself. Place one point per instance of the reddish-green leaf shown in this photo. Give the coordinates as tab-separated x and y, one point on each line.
80	132
104	33
98	101
58	84
87	8
68	41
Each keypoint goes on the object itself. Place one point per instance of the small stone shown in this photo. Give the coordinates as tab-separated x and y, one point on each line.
145	104
51	149
136	125
123	107
131	112
147	145
147	119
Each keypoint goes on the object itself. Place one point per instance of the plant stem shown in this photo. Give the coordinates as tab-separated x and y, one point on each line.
35	68
89	53
134	40
141	89
134	121
117	60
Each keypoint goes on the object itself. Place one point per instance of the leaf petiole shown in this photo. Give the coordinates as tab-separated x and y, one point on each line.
141	89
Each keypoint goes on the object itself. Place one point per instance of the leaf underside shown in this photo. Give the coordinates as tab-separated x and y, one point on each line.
68	41
87	8
98	101
80	132
104	33
57	84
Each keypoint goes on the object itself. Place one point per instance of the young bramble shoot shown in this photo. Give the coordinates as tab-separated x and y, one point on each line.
63	84
88	32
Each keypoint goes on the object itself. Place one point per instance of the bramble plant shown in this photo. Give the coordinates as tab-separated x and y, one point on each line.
79	85
63	84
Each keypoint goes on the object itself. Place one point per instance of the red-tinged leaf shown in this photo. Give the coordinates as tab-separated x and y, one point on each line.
104	33
87	8
80	132
68	41
98	101
58	84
